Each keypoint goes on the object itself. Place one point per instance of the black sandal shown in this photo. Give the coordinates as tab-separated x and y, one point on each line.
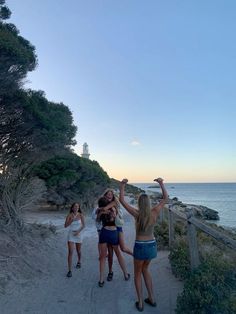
148	301
110	276
78	265
128	277
101	284
139	308
69	274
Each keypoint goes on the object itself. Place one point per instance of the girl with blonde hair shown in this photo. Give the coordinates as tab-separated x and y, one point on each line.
145	247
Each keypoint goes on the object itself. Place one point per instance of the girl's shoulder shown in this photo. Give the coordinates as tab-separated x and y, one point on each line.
80	215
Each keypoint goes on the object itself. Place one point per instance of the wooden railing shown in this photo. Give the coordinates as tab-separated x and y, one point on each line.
192	225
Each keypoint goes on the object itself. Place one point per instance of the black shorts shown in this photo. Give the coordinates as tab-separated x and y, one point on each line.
109	236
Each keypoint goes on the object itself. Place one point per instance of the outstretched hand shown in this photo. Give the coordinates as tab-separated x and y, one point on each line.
159	180
124	181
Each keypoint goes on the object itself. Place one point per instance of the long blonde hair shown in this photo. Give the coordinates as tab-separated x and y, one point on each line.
144	216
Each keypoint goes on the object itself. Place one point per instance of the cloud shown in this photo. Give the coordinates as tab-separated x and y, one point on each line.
135	143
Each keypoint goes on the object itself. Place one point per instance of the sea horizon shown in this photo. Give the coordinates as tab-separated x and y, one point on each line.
153	182
220	196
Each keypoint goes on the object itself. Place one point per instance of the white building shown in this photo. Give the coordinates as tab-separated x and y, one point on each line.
85	153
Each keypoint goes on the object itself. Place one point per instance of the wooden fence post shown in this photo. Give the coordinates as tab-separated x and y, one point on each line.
192	241
171	227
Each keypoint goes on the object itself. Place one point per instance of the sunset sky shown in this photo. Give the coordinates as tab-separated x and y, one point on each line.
151	84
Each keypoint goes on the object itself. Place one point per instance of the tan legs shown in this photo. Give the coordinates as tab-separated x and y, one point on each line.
141	268
70	254
148	280
110	257
102	260
122	245
78	250
120	260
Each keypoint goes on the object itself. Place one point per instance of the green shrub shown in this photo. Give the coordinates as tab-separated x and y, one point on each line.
161	233
210	289
180	229
179	259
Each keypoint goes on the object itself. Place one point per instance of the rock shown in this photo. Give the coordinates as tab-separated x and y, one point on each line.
154	187
204	212
155	196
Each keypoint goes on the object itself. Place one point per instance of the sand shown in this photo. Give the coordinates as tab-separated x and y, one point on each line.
33	277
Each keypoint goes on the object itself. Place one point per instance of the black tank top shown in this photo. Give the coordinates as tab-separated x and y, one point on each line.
107	219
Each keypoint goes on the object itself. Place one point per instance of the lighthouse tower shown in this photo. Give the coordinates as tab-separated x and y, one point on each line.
85	153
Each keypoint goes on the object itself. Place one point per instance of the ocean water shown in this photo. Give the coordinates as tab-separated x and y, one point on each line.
218	196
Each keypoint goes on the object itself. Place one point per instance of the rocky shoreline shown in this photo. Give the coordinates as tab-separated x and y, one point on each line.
199	211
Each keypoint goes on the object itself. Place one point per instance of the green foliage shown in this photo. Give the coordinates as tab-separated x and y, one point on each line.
53	121
17	57
5	13
209	289
179	259
180	229
161	233
33	128
71	178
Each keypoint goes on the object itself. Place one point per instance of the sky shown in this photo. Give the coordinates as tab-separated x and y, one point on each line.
151	84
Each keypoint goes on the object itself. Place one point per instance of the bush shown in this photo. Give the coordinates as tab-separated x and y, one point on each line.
161	233
179	259
209	289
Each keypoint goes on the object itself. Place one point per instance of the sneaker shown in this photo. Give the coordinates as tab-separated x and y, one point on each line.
69	274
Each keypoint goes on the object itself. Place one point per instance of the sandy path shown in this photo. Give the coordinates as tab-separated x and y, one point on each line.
55	293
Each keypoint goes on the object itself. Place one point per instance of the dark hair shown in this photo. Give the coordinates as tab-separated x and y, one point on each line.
71	208
103	201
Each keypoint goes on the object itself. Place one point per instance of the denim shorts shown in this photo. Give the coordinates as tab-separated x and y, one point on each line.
109	236
145	250
119	229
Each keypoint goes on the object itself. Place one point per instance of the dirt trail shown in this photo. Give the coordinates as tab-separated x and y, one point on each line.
55	293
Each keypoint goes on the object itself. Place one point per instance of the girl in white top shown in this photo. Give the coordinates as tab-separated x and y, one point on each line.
75	223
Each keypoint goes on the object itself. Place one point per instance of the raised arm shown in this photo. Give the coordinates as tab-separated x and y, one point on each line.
133	211
110	205
164	200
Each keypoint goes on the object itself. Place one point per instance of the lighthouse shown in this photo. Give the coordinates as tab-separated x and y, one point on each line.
85	153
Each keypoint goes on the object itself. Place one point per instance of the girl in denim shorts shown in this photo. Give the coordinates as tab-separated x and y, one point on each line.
145	247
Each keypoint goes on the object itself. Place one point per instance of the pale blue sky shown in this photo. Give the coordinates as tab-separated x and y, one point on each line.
158	74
